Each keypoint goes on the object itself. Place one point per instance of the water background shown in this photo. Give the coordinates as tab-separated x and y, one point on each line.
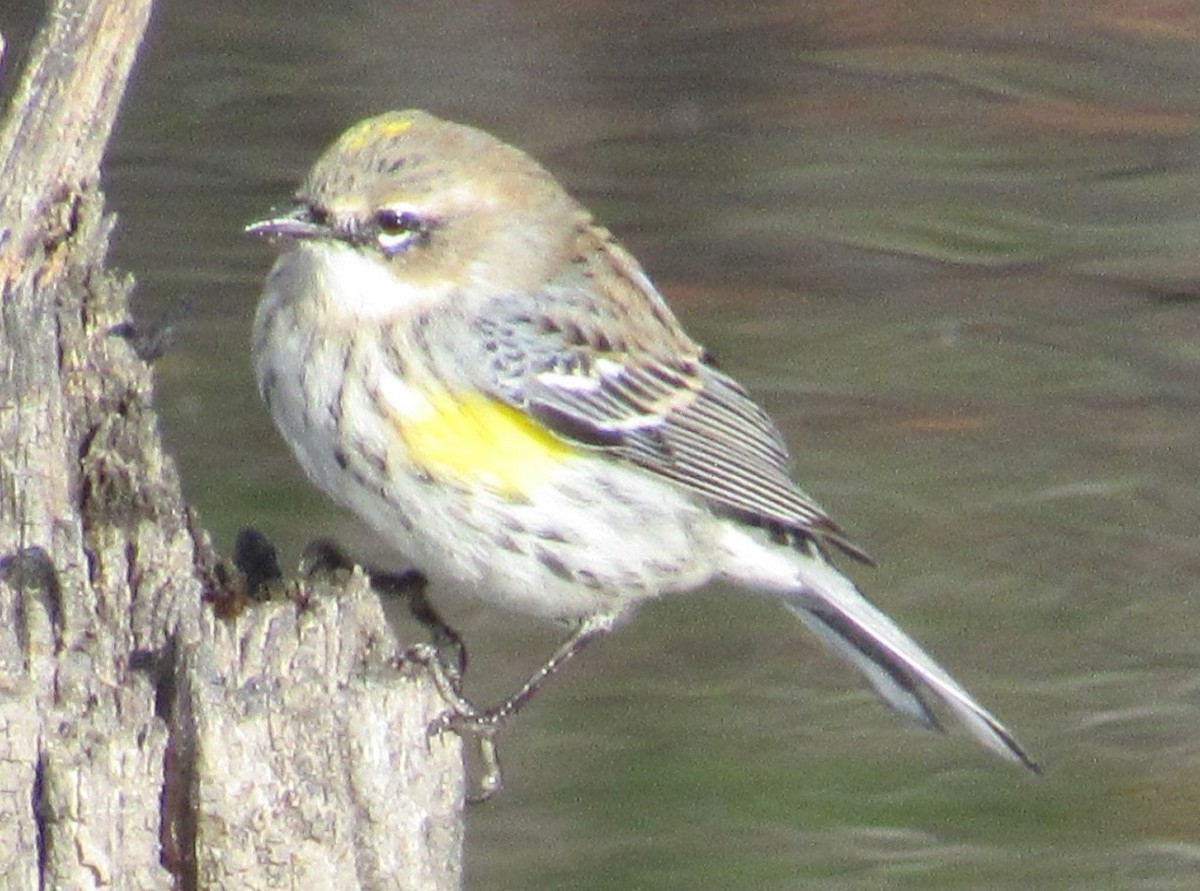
955	252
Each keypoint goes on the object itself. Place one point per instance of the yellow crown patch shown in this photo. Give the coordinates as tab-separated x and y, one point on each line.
384	126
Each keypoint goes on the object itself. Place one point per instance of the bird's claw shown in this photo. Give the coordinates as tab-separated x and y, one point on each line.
463	718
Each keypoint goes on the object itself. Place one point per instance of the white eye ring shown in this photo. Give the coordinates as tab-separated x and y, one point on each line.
394	243
396	229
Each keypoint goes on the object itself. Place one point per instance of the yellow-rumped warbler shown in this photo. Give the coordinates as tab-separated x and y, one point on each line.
456	352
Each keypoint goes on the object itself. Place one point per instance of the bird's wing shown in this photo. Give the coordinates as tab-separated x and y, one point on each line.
623	378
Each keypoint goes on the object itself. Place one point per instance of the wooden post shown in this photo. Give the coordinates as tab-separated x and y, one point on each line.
146	742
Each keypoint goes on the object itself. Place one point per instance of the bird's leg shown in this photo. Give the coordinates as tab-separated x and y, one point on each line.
483	720
484	724
447	643
323	556
445	658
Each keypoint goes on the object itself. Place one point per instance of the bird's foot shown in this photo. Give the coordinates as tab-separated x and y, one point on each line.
464	718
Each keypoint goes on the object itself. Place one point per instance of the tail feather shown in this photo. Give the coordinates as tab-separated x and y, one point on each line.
898	669
893	686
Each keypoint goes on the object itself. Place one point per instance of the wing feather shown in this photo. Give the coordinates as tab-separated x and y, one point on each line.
627	380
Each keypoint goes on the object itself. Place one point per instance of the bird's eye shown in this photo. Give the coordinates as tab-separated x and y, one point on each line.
396	222
397	229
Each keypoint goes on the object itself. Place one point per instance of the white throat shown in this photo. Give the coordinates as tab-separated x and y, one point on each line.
354	287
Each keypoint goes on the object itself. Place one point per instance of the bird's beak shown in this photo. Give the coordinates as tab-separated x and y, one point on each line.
295	223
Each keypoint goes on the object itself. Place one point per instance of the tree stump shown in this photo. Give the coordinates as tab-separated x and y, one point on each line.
145	741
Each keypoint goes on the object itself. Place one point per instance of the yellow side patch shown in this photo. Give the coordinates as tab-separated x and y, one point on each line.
476	441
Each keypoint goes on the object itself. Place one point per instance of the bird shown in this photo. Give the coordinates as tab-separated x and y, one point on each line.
455	350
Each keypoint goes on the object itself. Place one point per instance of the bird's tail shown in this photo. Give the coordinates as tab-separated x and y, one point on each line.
900	671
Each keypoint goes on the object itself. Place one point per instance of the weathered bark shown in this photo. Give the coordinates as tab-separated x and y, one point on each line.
144	741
